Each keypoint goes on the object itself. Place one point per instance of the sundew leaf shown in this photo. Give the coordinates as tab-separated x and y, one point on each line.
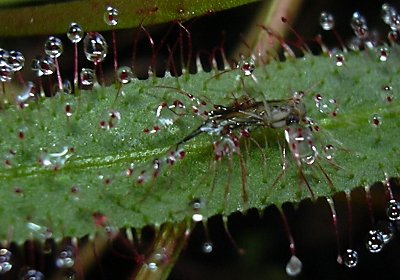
61	173
26	18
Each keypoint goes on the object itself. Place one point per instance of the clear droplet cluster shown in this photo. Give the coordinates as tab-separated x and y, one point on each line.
10	62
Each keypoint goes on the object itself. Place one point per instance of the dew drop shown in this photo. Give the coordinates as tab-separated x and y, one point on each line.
35	66
196	206
375	120
75	32
350	258
393	210
339	59
16	60
38	231
55	160
68	110
374	241
207	247
359	25
67	87
87	77
33	274
294	266
326	21
124	74
246	66
95	47
301	144
46	65
5	264
390	16
53	47
329	151
111	16
6	73
386	229
383	54
3	57
388	93
158	258
66	258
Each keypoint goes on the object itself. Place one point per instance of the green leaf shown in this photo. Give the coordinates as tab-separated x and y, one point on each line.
63	198
55	17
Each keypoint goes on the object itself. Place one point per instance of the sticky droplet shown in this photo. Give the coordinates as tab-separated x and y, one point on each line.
53	47
393	210
387	230
46	65
124	74
87	77
16	60
329	151
326	21
301	144
207	247
66	258
294	266
383	54
33	274
376	120
56	160
339	59
196	206
29	93
5	261
390	16
111	16
350	258
6	73
374	241
95	47
359	25
246	66
75	32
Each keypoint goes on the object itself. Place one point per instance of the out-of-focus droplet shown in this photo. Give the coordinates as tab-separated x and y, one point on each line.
294	266
326	21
